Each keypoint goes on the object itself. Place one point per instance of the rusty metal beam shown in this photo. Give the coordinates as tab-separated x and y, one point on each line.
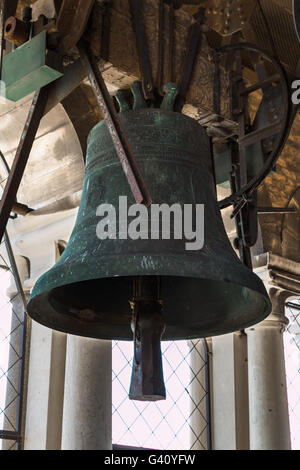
21	209
74	74
116	131
35	115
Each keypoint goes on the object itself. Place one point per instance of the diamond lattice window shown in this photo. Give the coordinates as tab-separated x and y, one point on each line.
181	422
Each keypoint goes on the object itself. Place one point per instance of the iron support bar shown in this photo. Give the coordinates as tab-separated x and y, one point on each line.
276	210
194	43
292	305
116	131
141	44
242	215
257	86
244	250
241	118
10	435
260	134
35	115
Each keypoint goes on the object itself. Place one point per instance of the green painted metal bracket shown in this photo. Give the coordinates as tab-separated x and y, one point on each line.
29	68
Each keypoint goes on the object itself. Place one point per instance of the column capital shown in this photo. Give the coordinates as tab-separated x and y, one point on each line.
284	273
277	318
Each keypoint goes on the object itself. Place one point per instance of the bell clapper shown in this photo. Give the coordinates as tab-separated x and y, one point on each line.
147	382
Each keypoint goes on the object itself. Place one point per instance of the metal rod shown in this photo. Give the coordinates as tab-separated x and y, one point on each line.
260	134
276	210
35	115
10	435
116	131
5	164
268	81
292	305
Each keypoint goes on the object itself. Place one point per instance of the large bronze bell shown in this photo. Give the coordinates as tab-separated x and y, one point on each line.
97	284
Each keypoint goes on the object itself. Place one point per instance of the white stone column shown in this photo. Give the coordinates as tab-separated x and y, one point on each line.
229	391
47	357
268	405
87	416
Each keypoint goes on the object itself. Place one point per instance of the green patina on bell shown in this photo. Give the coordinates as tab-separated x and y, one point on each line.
203	293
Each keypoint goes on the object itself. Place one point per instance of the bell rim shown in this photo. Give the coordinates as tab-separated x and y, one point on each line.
168	337
41	296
